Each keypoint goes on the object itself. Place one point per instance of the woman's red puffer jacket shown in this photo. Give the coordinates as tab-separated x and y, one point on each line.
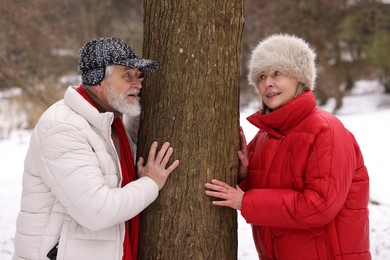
307	190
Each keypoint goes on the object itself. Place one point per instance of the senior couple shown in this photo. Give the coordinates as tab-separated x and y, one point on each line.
302	183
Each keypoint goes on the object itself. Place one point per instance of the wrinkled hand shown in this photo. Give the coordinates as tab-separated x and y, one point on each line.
231	197
243	156
155	166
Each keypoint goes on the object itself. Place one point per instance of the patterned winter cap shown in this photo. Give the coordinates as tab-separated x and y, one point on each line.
97	54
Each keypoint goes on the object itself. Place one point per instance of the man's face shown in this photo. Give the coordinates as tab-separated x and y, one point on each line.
121	90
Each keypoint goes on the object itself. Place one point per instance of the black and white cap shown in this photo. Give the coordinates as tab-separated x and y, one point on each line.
97	54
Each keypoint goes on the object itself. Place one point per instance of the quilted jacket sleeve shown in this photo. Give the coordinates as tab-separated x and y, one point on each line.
83	178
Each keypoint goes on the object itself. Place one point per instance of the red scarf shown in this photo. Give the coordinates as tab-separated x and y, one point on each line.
130	244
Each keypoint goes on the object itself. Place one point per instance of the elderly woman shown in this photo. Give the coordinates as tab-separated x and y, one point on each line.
303	185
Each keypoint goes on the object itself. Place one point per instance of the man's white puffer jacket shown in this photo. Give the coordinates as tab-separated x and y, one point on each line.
71	183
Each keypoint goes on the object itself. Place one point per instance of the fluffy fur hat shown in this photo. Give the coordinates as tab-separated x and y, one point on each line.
286	53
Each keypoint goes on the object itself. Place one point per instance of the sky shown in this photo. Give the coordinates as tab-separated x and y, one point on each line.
366	113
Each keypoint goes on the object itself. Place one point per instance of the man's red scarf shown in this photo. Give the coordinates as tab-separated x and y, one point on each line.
130	244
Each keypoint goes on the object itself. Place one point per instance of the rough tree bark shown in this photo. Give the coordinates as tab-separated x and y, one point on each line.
192	102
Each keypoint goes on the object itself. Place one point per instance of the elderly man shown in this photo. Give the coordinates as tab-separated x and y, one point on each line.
81	195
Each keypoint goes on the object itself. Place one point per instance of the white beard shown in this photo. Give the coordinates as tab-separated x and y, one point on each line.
120	103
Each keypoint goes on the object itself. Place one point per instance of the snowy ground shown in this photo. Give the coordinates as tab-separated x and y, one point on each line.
367	116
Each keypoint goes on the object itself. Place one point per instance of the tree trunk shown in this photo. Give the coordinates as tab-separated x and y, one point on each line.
192	102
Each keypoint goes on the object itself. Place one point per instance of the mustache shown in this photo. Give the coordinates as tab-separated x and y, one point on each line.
133	92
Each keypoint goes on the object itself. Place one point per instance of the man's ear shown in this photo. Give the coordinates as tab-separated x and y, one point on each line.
99	87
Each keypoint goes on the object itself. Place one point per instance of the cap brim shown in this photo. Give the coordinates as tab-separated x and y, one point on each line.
144	65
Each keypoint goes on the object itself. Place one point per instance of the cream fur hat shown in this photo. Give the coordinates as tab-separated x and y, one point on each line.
286	53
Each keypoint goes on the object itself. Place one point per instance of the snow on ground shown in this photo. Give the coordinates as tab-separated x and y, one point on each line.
366	116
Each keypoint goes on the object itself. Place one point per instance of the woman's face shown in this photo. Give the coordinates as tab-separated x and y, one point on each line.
276	89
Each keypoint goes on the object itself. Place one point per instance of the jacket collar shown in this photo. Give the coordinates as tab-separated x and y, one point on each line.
281	121
101	121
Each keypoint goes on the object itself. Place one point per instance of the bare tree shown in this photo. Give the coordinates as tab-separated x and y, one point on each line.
40	40
348	37
193	103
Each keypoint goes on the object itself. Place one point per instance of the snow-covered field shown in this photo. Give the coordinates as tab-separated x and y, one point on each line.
366	116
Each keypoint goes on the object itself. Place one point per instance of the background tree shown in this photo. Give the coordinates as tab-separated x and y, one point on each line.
40	39
192	102
348	36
